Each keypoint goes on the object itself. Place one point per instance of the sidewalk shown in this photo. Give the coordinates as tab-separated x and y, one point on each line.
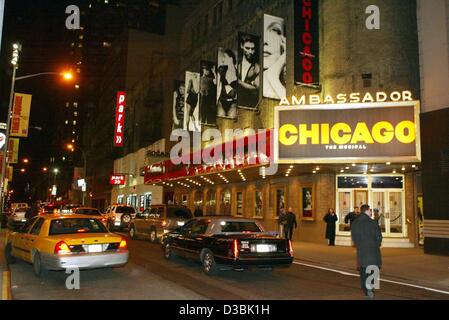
404	265
5	290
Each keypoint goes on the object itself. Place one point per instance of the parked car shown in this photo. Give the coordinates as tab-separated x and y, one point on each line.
154	222
228	243
119	216
49	209
93	212
69	208
57	242
17	218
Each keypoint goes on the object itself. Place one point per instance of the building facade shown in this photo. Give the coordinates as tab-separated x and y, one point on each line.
352	59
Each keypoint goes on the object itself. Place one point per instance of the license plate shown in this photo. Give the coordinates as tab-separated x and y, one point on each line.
263	248
95	248
117	223
180	223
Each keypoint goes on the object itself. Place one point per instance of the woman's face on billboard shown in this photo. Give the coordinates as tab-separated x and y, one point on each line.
274	43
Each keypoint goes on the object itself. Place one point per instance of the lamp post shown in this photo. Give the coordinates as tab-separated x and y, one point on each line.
17	48
72	148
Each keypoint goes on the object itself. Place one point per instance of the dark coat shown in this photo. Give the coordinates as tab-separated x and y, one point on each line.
367	237
290	219
330	225
350	217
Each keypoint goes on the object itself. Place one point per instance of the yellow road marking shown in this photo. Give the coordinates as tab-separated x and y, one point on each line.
6	286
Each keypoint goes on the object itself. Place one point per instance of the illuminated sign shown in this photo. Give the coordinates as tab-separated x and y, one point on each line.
343	98
353	132
20	115
306	42
120	119
117	180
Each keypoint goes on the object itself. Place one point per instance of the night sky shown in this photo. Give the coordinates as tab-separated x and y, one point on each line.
40	27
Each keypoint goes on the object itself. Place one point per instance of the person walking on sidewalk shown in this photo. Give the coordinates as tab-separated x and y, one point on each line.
351	216
330	218
367	238
282	221
290	219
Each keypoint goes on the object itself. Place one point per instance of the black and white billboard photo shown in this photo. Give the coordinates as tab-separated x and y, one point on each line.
178	105
227	83
248	70
208	92
274	58
192	121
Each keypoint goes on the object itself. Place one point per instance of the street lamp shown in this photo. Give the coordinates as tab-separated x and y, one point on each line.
17	48
72	148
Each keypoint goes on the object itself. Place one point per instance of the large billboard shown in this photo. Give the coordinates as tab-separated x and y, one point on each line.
306	42
20	115
274	58
248	70
342	133
208	92
227	83
178	104
192	120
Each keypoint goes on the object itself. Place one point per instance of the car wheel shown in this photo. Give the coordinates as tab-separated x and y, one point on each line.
153	235
132	232
38	268
10	259
209	265
126	218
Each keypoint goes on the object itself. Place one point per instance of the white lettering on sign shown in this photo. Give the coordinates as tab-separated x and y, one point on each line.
119	119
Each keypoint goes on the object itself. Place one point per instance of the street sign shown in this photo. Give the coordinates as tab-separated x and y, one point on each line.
117	180
119	119
54	190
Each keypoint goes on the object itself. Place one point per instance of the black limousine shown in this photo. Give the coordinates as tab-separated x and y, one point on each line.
227	243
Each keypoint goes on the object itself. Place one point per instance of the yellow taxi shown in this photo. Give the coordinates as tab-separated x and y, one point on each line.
60	242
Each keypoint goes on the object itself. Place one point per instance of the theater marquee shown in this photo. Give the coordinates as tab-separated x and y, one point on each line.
339	133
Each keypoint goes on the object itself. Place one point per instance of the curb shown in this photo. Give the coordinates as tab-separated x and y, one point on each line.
6	286
384	276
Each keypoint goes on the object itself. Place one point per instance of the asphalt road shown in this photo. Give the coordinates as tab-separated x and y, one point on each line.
149	276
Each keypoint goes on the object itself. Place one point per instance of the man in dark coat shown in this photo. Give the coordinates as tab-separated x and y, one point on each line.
351	216
198	212
367	237
290	221
330	218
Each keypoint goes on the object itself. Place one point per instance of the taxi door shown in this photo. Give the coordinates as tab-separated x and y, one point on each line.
31	239
18	242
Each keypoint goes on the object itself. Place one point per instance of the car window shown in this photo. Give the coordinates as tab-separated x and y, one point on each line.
76	226
27	226
200	227
129	210
239	226
188	226
93	212
179	213
36	229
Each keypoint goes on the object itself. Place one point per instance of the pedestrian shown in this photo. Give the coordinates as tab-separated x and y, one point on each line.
330	218
282	221
290	219
33	211
367	238
351	216
198	212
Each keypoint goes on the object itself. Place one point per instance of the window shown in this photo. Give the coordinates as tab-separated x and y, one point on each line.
200	227
26	227
239	226
179	213
240	203
130	210
36	229
218	13
352	182
225	208
230	7
76	226
206	24
387	182
258	201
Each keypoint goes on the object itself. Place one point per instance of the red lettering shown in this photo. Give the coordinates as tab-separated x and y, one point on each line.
307	64
307	77
307	38
307	13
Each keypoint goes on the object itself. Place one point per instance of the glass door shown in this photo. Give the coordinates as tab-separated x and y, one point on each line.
388	211
378	209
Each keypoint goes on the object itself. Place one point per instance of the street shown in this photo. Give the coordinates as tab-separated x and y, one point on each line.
149	276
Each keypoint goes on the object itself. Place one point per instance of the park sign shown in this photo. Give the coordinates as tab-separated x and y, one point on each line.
338	133
117	180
